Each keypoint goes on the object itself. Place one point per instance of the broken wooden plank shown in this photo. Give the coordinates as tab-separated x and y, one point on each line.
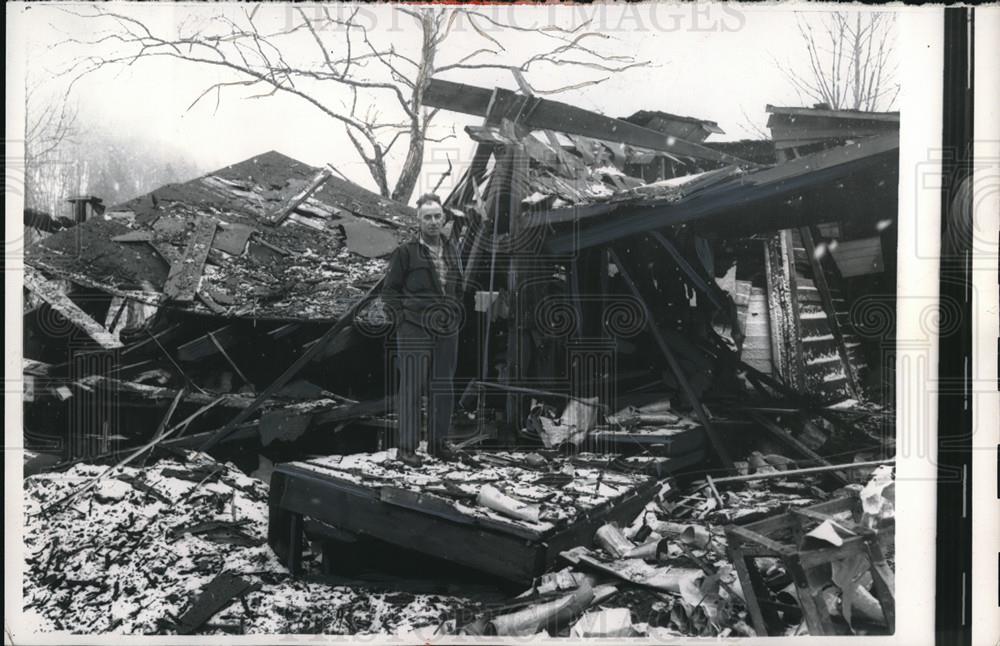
182	281
167	251
159	393
219	593
60	302
285	210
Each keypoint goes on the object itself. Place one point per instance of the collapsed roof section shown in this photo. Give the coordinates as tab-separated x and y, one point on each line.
269	237
592	179
542	114
732	203
803	128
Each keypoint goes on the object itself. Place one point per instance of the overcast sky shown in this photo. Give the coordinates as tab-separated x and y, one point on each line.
708	61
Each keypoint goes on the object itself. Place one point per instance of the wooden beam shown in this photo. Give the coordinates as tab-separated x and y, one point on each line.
182	281
800	472
516	337
543	114
225	355
286	209
786	339
793	322
49	292
156	394
695	279
203	346
161	336
717	444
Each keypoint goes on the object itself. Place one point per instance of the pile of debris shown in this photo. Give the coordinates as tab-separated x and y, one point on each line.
661	578
181	547
642	308
192	291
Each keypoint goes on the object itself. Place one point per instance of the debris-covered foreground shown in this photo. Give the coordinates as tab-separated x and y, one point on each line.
132	554
180	547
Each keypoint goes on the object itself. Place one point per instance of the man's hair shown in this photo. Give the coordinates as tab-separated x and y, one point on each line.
428	197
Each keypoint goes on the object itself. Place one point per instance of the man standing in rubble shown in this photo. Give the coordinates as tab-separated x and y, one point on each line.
422	291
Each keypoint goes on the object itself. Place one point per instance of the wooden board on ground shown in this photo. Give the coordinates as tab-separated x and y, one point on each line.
216	595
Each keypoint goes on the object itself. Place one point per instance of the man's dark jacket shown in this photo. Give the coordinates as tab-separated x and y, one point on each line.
413	292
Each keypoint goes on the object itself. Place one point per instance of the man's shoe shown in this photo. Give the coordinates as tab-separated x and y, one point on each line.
410	459
446	453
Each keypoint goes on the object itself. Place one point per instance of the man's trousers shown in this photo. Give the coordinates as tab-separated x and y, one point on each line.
426	367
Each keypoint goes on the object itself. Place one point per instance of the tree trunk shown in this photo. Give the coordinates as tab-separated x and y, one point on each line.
408	177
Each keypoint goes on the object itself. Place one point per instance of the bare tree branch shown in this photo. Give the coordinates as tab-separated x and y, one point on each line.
847	61
258	55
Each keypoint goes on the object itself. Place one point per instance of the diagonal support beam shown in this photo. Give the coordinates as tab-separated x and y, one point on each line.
695	279
713	435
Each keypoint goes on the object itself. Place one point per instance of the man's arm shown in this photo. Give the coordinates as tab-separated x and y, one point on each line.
392	286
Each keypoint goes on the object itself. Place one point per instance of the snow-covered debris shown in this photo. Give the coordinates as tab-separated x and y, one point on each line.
131	554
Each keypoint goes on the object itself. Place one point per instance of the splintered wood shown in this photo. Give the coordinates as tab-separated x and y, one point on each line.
60	302
182	281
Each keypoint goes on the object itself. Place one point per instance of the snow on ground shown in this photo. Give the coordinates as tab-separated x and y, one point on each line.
117	558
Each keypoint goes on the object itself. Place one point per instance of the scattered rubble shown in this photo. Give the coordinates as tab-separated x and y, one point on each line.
673	414
133	555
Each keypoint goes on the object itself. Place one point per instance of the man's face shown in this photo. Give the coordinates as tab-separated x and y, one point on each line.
431	217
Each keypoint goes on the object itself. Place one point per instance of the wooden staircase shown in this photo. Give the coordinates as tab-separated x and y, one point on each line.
813	345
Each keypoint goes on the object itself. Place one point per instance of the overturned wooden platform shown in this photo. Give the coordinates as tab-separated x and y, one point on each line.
433	509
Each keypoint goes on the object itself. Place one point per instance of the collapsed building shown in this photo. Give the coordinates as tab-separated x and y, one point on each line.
642	308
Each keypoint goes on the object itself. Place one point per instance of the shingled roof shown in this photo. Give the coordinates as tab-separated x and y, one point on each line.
313	265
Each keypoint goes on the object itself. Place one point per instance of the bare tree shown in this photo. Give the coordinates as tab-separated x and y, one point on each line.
51	121
270	59
849	61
